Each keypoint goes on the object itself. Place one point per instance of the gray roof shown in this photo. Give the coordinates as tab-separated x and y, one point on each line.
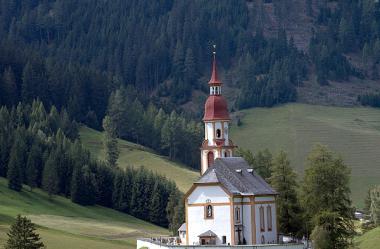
237	177
208	233
182	228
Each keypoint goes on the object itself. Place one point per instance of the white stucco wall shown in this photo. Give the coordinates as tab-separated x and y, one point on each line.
270	236
226	131
245	221
221	222
213	193
264	198
209	132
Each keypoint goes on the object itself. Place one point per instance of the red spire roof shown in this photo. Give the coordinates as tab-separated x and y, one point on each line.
214	75
216	105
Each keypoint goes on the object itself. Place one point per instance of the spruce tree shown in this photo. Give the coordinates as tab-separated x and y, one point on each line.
110	142
83	190
16	164
6	132
9	87
50	178
22	235
175	210
34	166
156	206
284	180
326	196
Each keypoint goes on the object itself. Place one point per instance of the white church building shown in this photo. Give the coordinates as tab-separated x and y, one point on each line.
230	205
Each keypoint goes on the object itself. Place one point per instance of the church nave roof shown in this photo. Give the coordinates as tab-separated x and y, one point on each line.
237	177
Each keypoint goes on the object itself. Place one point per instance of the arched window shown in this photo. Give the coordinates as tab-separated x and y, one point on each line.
269	218
218	133
262	220
210	158
225	154
237	215
209	212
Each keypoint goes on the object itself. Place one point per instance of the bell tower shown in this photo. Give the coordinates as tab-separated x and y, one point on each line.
216	119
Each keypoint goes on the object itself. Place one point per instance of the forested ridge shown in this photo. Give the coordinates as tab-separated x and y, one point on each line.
76	55
41	149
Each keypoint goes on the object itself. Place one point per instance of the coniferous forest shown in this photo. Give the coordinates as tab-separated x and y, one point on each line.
77	55
40	148
64	63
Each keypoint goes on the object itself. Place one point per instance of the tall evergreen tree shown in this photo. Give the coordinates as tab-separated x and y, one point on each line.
6	131
110	142
284	180
22	235
9	87
17	161
34	165
326	196
156	206
83	190
50	178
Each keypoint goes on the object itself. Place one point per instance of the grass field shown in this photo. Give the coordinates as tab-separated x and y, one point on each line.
63	224
354	133
136	155
369	240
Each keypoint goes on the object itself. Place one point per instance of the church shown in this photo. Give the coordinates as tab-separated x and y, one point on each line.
230	204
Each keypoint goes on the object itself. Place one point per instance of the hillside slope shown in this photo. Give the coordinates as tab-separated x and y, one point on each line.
136	155
354	133
368	240
63	224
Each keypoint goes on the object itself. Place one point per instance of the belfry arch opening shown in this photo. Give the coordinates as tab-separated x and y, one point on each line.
210	158
218	133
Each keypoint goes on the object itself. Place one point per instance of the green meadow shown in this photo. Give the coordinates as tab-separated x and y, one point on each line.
354	133
369	240
134	155
63	224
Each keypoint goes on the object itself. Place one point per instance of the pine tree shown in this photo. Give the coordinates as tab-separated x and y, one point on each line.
178	61
83	186
9	87
28	83
22	235
158	201
262	163
326	196
321	238
346	34
284	180
34	165
50	178
190	68
17	161
309	7
6	133
110	142
175	210
366	54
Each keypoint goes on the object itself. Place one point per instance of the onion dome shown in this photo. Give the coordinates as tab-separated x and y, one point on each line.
216	108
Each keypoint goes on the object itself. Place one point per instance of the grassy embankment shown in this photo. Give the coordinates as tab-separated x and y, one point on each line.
354	133
63	224
134	155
